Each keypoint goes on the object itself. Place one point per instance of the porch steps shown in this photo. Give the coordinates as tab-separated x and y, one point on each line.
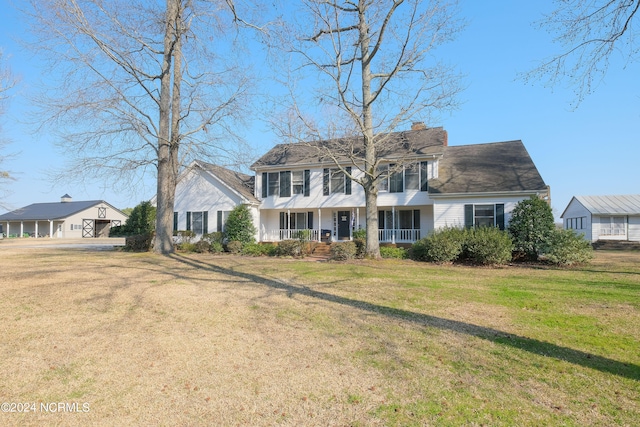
616	245
321	252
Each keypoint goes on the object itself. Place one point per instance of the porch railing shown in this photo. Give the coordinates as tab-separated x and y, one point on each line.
613	231
398	235
279	235
387	236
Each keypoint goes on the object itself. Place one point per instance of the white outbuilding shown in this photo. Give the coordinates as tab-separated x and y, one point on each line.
604	217
64	219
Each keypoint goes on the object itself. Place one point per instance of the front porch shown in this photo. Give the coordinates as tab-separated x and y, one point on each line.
325	225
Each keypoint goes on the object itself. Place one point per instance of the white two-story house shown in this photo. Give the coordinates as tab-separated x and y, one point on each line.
429	185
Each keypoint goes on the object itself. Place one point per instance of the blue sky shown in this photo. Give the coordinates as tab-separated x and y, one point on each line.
589	150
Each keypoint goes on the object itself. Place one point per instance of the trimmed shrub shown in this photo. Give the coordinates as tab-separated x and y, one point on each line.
139	243
530	227
184	236
391	252
213	237
565	247
487	246
342	251
187	247
442	245
234	246
202	246
239	226
216	247
293	248
257	249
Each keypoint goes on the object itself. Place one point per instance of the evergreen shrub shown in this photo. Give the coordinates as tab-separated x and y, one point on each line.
487	246
391	252
342	251
565	247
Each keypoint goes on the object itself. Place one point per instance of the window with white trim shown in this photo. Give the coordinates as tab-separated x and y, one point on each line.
296	220
335	181
221	220
284	183
198	222
403	219
398	179
484	215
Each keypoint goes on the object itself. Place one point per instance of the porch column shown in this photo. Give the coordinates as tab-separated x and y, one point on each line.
50	229
7	228
319	225
393	225
21	229
288	223
36	233
357	218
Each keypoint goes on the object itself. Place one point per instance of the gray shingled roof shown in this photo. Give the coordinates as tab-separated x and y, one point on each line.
239	182
48	211
480	168
611	205
414	143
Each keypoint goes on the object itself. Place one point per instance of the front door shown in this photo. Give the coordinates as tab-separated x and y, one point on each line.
344	225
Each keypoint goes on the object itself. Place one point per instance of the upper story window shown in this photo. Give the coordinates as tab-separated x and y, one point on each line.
397	178
335	181
297	180
282	183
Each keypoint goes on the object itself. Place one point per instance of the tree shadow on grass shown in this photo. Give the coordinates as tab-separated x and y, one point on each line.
542	348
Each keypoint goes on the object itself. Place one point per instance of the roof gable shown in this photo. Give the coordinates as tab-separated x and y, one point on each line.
240	183
414	143
482	168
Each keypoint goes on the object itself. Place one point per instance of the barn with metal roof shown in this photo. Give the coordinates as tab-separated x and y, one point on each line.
68	219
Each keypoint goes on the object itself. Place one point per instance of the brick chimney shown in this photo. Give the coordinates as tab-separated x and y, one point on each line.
418	126
445	139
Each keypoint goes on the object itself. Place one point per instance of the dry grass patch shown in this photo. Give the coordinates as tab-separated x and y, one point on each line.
220	340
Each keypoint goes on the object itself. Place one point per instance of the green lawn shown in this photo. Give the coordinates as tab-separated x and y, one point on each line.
197	339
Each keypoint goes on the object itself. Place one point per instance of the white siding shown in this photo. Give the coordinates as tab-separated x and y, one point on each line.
575	209
450	212
634	228
199	191
316	199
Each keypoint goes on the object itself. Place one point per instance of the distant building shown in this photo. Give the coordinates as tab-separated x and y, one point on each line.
68	219
604	217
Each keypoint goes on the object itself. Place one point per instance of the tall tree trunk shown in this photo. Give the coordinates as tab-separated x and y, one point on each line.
166	184
372	246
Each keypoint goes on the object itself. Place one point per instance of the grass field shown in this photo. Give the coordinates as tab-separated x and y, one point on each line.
137	339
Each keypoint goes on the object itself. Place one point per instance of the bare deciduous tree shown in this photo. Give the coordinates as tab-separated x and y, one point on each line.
7	82
372	67
136	88
590	32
